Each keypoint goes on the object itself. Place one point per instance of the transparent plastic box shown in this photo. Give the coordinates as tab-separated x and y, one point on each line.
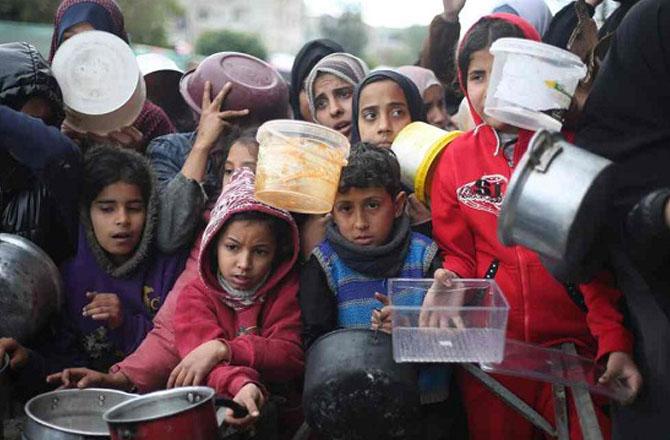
552	365
463	322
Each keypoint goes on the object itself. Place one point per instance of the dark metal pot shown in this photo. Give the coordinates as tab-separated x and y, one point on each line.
30	288
555	204
71	414
355	390
180	413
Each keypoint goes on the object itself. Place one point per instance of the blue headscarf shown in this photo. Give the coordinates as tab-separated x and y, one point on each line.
92	13
412	96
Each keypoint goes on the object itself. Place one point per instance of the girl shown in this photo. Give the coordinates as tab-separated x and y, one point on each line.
384	103
116	282
237	325
467	192
76	16
330	88
432	93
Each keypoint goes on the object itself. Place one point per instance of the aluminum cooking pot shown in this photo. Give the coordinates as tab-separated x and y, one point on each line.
30	288
180	413
71	414
355	390
555	204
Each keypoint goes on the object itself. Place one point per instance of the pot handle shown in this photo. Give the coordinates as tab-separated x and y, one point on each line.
239	411
544	147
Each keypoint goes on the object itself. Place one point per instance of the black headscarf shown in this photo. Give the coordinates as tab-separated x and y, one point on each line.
627	115
414	101
310	54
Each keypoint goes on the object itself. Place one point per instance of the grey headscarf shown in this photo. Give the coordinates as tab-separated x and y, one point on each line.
343	65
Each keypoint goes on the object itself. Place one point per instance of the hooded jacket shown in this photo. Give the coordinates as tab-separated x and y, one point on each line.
105	15
39	167
141	283
264	337
467	193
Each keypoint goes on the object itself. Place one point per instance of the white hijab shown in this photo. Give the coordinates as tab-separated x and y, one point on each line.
536	12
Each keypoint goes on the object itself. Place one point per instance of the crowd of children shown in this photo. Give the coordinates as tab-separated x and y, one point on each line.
174	274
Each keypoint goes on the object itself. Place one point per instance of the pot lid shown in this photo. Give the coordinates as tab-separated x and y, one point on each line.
97	72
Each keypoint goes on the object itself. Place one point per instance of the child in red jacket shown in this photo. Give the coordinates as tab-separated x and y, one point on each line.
467	192
237	325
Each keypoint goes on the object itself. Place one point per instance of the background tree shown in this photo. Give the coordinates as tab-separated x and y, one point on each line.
211	42
145	19
348	29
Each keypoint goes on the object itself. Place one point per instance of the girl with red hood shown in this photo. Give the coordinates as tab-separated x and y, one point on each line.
467	192
237	325
75	16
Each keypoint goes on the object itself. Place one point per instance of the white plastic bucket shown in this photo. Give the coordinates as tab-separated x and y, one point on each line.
103	88
532	83
299	165
417	147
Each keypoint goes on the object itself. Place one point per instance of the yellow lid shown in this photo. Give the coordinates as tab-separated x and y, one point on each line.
424	168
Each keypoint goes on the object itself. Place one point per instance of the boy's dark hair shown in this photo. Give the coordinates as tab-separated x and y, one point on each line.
279	228
481	36
371	167
105	165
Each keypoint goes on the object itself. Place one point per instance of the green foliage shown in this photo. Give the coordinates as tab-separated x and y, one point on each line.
145	19
211	42
348	29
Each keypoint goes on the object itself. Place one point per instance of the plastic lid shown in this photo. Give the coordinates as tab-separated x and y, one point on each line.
97	72
524	118
536	49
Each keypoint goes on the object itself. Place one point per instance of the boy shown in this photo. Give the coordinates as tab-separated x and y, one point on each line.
367	241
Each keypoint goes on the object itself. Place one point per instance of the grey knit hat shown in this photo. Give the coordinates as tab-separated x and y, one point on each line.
343	65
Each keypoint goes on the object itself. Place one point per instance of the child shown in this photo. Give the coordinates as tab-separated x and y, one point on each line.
330	90
116	282
432	93
243	153
367	241
384	103
467	192
237	325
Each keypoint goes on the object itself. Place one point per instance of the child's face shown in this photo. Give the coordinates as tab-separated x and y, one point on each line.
241	155
479	72
436	110
118	214
245	253
332	102
364	216
383	112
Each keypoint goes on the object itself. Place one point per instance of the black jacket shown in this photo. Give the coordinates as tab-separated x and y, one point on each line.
39	166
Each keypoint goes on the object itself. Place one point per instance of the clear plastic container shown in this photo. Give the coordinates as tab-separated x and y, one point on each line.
463	322
299	165
532	83
552	365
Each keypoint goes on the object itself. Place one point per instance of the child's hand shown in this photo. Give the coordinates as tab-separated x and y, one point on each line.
620	367
214	122
194	368
85	378
452	8
18	354
435	297
251	397
104	307
381	319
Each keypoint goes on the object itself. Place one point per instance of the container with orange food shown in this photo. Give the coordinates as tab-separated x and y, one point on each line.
299	165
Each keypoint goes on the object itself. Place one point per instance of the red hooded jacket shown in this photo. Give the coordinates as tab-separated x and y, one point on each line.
271	353
468	188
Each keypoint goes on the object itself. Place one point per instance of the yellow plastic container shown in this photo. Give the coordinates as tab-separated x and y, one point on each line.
299	165
417	147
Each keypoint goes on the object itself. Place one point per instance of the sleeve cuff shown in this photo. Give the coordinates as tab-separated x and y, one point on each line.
615	341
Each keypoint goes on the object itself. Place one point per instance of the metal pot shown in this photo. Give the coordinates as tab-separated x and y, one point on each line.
30	288
355	390
187	413
555	203
71	414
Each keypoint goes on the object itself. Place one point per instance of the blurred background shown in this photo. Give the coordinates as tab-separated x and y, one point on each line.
383	32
